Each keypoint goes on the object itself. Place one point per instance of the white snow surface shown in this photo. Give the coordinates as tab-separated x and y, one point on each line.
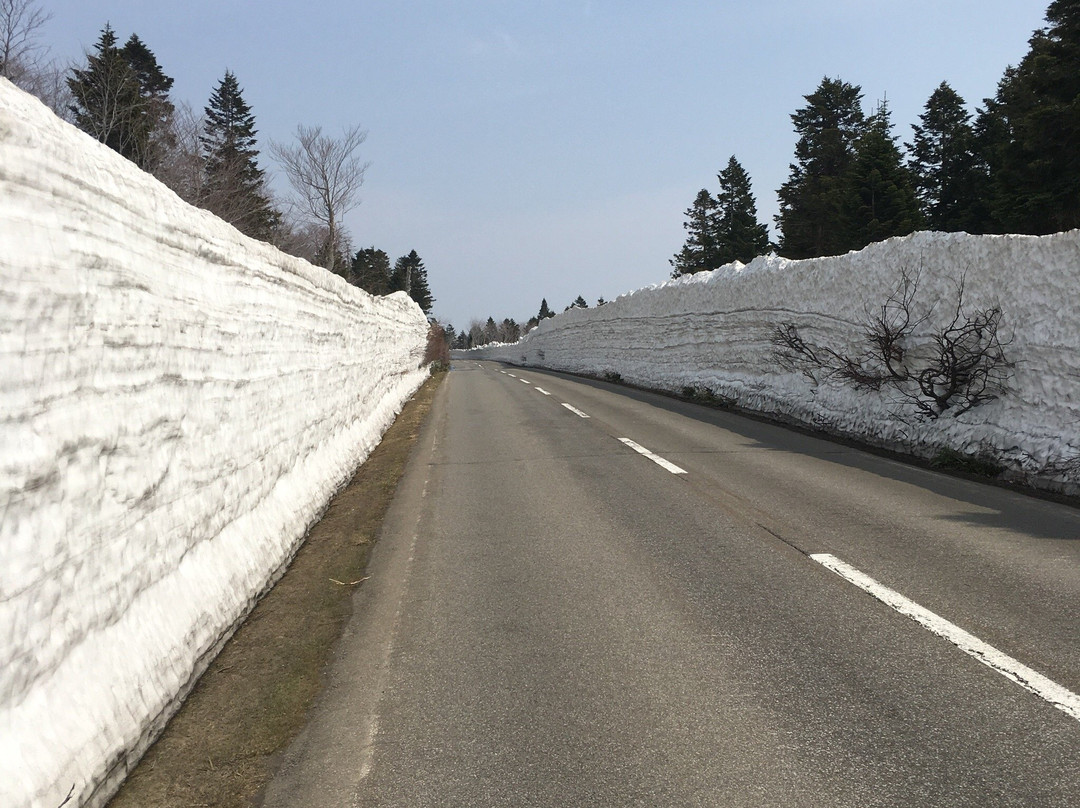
178	403
714	330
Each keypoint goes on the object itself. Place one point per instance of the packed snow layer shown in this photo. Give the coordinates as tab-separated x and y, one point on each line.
714	330
178	402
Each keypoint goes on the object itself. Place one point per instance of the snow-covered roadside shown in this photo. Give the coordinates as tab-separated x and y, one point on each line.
714	330
177	404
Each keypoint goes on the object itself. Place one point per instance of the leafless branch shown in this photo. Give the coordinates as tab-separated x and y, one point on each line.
326	176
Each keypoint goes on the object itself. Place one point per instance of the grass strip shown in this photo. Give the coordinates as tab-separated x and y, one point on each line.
221	747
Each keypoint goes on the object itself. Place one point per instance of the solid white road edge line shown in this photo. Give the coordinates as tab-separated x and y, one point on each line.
542	390
574	410
1065	700
653	457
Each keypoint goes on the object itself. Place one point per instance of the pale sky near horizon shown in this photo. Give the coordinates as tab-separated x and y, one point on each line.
549	149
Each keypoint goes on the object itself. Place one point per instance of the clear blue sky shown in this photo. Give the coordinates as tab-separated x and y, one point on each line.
549	149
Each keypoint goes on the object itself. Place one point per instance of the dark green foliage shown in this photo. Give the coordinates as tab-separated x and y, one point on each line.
739	236
121	98
699	251
1033	137
880	201
579	303
944	166
108	101
545	311
371	271
235	185
156	108
812	200
410	276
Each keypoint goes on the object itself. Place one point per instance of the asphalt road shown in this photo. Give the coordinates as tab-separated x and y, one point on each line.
554	618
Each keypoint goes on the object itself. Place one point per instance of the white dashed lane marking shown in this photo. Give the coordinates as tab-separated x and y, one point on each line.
574	410
1065	700
665	464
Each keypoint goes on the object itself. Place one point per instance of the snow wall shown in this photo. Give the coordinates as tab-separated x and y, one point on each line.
714	330
178	403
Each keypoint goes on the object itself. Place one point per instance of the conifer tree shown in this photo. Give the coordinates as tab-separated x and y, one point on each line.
156	109
811	201
108	103
545	311
410	276
944	166
699	251
1031	131
371	271
880	201
739	235
235	184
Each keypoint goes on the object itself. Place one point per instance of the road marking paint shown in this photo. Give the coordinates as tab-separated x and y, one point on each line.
542	390
511	375
1033	681
657	459
524	382
574	410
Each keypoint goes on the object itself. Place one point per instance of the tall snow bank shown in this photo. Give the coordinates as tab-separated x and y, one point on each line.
178	402
714	330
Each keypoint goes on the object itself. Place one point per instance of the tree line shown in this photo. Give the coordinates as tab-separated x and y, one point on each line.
1010	168
121	96
480	332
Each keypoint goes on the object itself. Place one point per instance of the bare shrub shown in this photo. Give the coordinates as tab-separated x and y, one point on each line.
964	365
437	352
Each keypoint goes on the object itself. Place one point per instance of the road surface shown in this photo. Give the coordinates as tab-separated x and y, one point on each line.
591	596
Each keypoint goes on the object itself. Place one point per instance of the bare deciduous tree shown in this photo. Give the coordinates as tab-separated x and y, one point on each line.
20	24
962	365
326	175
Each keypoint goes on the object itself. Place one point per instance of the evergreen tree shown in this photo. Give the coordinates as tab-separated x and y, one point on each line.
699	252
1034	130
545	311
811	201
410	276
943	164
108	102
235	185
880	201
739	235
156	107
371	271
579	303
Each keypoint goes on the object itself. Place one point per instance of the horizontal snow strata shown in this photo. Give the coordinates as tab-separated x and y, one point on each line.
177	404
714	330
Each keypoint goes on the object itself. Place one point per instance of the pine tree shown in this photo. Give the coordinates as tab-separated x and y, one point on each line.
410	276
944	165
545	311
108	102
579	303
1034	130
739	235
235	185
157	108
811	201
371	271
699	252
880	201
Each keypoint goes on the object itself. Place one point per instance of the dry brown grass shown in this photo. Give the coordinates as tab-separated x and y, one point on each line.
219	749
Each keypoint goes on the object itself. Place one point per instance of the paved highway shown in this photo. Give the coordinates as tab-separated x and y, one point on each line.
589	596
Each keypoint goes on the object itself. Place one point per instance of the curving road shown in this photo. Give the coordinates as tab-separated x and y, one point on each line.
589	596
